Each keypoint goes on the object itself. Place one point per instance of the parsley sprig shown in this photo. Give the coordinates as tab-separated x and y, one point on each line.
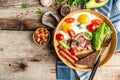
39	11
24	5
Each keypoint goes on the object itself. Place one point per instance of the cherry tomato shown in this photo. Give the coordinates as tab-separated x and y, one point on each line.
92	27
73	51
70	20
96	21
59	37
71	32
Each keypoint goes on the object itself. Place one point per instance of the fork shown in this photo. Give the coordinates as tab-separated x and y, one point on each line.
103	46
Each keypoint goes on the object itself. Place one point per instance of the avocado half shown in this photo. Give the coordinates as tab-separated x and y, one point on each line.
96	3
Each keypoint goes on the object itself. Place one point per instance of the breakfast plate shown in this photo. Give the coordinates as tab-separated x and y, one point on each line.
78	38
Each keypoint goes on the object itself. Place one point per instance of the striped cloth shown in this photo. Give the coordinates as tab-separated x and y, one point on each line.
112	11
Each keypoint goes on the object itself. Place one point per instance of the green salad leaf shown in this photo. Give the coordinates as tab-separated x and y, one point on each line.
64	44
107	30
99	35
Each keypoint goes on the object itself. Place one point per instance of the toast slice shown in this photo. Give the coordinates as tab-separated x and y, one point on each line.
89	60
85	51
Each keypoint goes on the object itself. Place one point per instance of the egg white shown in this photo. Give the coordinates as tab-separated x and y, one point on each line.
75	23
66	35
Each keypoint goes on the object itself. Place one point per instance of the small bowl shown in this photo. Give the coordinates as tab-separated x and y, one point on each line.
65	10
41	38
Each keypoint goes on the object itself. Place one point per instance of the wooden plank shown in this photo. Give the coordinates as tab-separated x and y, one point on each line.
25	19
21	59
18	47
16	18
111	70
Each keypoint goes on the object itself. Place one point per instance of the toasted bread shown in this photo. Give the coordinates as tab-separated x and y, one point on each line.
89	60
85	51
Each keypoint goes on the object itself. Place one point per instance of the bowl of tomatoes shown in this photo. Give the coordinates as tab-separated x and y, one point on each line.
41	36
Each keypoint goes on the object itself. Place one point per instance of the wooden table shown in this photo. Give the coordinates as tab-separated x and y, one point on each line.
21	59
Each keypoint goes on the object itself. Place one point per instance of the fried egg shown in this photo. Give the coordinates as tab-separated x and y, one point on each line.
82	19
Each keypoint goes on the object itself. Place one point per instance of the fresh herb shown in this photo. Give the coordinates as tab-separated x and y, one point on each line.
58	1
39	11
79	26
75	2
24	5
72	2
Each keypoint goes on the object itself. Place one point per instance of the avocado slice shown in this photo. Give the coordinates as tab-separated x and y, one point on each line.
96	3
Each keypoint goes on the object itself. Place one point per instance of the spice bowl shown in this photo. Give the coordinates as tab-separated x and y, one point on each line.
65	10
41	36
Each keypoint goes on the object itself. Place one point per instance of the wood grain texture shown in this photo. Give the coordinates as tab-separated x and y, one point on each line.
17	47
28	18
21	59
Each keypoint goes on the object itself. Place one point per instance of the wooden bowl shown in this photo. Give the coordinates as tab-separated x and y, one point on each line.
35	39
108	52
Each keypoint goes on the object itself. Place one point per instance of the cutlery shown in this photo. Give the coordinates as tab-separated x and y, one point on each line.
104	46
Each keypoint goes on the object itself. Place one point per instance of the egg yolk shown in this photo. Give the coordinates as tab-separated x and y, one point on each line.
66	27
83	19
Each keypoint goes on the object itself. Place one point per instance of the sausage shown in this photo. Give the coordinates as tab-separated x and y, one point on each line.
63	54
60	47
69	54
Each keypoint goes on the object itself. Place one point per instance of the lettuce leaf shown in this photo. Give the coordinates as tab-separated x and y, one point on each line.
107	30
99	35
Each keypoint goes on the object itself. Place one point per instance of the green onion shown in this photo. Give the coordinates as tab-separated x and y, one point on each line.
88	35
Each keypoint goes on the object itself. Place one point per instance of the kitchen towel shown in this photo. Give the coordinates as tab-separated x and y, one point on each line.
112	11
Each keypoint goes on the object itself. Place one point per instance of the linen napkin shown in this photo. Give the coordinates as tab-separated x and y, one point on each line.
112	11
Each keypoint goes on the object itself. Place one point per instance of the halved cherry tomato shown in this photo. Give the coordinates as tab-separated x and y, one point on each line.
73	51
71	32
92	27
70	20
59	37
96	21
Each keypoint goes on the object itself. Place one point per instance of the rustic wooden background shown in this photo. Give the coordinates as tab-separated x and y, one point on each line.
20	58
